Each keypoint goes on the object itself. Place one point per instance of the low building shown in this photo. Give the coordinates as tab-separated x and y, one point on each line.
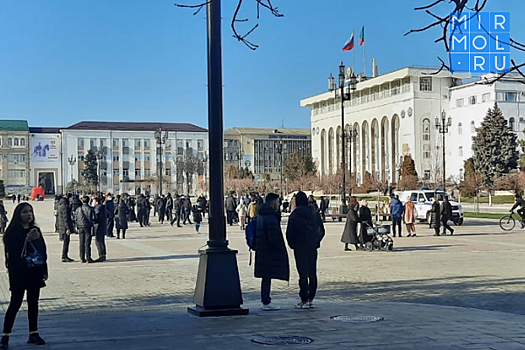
14	155
263	151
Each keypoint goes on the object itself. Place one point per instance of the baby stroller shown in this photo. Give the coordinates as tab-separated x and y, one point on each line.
380	238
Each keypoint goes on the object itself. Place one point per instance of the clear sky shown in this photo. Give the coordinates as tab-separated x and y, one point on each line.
63	61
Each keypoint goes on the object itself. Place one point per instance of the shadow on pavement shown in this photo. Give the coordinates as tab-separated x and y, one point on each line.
155	258
425	247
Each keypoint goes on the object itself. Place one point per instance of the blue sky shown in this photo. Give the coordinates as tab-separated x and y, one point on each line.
63	61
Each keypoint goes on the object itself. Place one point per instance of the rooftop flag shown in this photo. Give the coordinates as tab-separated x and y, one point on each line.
349	45
362	36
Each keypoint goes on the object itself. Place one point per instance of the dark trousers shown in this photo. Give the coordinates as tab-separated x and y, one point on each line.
65	245
85	243
306	262
266	286
123	233
17	296
396	222
110	224
186	217
230	215
142	218
146	219
169	214
175	218
101	244
161	216
446	226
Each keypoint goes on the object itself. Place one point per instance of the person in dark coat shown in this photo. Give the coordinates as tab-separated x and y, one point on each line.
396	210
201	203
22	229
65	226
365	216
85	220
161	208
186	207
148	210
271	257
312	202
446	214
55	212
3	217
197	217
435	216
230	205
75	203
304	234
350	231
141	209
121	219
323	207
110	215
100	228
131	206
177	208
169	207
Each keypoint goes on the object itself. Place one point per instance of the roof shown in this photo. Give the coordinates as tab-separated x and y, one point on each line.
14	125
266	131
135	126
44	130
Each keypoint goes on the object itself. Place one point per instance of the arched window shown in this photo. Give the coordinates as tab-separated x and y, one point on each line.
426	129
511	123
9	141
15	142
460	129
22	141
472	127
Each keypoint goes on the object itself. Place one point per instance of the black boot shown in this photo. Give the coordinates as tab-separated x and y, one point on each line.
34	338
4	342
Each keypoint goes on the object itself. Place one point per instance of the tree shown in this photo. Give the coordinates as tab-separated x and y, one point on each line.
521	161
90	171
408	175
298	165
494	147
190	165
72	186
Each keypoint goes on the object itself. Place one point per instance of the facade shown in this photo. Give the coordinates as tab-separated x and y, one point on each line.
128	154
14	155
263	151
46	159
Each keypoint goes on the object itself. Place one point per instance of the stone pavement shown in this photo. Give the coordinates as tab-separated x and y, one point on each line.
142	291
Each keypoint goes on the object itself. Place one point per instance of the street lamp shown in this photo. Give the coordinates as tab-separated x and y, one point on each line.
280	149
161	136
71	160
352	82
442	125
100	154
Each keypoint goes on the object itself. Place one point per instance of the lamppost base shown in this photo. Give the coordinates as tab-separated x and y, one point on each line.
218	288
343	209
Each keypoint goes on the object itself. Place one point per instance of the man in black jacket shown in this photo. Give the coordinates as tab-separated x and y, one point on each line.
446	214
271	257
65	226
100	227
304	234
109	204
169	208
161	208
230	206
84	219
142	208
186	209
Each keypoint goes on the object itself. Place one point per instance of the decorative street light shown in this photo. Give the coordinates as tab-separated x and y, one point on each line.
442	125
71	160
101	155
280	149
161	136
343	96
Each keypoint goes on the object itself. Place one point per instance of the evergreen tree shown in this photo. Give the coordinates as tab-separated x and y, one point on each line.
494	147
90	169
408	168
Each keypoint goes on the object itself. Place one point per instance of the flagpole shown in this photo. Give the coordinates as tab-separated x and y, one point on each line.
364	58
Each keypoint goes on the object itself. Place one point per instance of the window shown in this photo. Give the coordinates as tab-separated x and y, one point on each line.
22	141
461	151
426	151
395	88
472	127
472	100
81	158
200	145
125	172
137	172
9	142
460	102
16	173
0	143
180	147
421	198
15	142
188	143
425	84
485	97
146	143
137	143
116	158
512	123
427	175
168	171
426	129
511	96
115	143
147	172
138	157
125	143
92	143
146	157
460	129
115	172
103	143
413	197
16	158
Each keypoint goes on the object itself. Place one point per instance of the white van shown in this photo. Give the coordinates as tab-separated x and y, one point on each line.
421	199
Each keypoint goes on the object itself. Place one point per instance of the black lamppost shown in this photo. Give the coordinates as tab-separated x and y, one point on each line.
343	96
350	140
218	288
161	136
71	160
442	125
100	154
280	149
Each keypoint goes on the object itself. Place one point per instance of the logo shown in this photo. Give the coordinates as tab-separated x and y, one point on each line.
479	42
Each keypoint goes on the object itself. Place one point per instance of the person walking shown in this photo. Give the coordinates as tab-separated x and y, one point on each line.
230	205
141	209
23	234
18	198
271	257
365	217
85	220
187	209
161	207
3	217
178	210
252	210
410	216
65	226
148	210
312	202
446	215
14	199
350	231
435	216
100	227
169	207
396	210
242	211
197	217
121	219
201	202
109	204
304	234
293	204
323	207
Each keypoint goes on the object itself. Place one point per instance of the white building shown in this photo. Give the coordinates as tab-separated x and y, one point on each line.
129	160
393	115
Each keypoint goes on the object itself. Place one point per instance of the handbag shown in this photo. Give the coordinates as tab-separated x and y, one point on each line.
34	259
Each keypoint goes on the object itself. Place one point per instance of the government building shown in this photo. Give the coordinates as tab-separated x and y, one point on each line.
392	115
